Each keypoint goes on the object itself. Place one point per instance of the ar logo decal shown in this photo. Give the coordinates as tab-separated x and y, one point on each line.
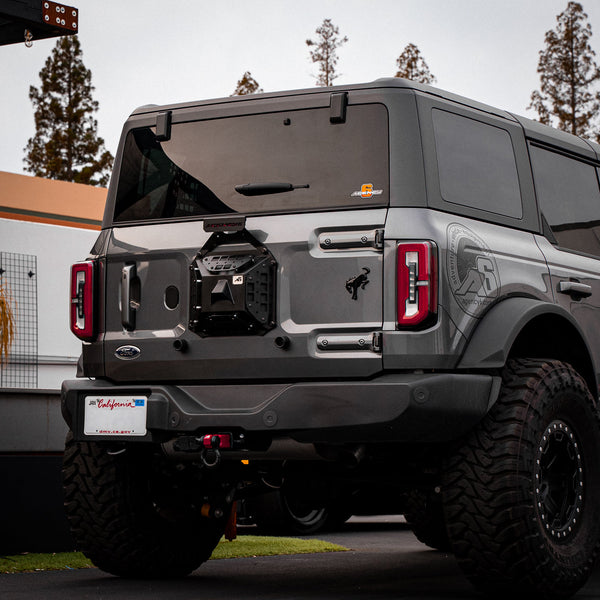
367	191
360	281
472	270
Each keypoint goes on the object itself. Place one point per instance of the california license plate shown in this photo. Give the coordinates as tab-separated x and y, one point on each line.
115	415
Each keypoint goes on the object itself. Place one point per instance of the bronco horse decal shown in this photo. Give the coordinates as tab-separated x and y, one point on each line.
360	281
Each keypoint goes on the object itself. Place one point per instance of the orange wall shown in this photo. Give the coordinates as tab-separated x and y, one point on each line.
26	198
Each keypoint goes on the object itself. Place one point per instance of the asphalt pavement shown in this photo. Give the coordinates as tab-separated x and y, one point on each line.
385	561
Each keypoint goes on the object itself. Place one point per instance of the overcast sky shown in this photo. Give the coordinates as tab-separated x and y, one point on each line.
156	52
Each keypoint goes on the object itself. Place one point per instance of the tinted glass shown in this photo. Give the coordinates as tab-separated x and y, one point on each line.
476	165
569	198
196	171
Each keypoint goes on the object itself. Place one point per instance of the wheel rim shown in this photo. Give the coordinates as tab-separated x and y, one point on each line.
303	514
559	481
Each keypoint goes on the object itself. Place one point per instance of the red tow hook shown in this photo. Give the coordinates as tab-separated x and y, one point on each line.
216	441
212	444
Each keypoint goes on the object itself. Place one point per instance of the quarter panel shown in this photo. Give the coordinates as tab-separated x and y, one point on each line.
573	267
479	265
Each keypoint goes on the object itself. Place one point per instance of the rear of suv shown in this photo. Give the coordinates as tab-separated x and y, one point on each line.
375	290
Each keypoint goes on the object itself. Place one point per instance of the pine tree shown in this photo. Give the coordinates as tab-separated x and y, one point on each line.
247	85
412	65
325	52
66	145
568	72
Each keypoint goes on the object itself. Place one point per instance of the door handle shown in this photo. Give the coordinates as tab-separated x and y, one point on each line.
127	309
575	289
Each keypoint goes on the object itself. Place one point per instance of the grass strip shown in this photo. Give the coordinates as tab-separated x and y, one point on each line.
254	545
242	547
21	563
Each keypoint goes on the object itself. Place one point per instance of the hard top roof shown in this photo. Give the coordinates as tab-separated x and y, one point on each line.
378	84
533	129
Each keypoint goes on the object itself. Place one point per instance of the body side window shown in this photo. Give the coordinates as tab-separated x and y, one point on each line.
569	198
476	165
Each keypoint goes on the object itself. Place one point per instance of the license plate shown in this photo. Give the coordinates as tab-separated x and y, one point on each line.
115	415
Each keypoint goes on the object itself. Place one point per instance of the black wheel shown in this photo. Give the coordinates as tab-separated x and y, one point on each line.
424	514
522	494
134	515
280	512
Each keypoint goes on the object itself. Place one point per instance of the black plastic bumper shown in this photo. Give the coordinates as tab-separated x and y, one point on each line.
400	407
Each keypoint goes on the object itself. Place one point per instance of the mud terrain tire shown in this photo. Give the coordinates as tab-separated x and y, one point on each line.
522	494
424	514
122	525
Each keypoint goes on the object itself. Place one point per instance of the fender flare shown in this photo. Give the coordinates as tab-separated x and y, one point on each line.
493	338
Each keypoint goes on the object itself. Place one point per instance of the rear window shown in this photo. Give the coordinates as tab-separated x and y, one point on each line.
196	171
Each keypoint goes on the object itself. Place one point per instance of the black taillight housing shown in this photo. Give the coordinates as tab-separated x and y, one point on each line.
416	284
83	321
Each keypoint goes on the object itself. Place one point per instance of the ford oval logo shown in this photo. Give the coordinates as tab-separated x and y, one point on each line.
127	352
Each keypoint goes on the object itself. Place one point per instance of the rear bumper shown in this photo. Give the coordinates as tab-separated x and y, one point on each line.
401	407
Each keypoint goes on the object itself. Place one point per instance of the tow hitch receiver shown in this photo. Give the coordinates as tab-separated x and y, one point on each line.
217	441
209	441
212	444
209	446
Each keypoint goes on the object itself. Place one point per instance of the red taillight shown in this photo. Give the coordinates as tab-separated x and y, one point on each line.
417	283
82	300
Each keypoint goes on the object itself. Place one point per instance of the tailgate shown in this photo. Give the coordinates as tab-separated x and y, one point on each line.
298	298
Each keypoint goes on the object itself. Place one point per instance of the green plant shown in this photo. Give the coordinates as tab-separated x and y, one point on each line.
7	323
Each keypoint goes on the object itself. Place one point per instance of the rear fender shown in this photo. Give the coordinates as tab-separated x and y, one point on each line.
512	328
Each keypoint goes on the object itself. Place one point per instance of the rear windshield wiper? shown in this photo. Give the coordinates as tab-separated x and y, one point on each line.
260	189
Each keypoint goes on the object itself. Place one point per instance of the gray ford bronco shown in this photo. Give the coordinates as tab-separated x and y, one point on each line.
378	289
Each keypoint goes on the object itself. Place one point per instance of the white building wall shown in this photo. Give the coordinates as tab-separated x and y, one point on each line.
56	249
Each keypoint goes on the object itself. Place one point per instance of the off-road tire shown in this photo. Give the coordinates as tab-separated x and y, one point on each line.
424	514
117	521
522	494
